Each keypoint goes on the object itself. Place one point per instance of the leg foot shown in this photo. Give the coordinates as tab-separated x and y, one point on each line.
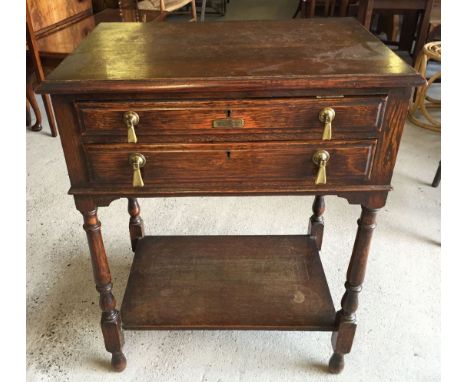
336	363
112	328
118	362
36	127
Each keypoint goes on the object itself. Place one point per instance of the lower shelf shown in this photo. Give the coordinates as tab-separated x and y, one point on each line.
227	282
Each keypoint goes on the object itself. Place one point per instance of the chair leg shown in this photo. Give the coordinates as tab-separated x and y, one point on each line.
50	114
332	8
203	11
28	113
344	8
194	11
436	181
308	8
31	97
298	9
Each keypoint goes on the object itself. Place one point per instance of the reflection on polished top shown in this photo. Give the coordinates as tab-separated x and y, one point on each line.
293	53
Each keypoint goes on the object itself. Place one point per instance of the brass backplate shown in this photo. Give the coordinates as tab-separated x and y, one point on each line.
228	123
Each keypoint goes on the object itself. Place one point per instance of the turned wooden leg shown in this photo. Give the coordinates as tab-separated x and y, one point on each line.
136	226
342	338
316	223
110	319
30	96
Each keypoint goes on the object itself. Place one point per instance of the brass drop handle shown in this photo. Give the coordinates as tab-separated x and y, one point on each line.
326	116
131	120
321	159
137	161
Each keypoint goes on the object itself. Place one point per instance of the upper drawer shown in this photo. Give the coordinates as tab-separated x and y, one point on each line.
353	115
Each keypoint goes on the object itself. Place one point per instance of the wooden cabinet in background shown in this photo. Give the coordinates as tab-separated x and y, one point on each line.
54	30
46	14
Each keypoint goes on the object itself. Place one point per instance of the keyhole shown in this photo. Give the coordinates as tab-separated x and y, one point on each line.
228	113
228	154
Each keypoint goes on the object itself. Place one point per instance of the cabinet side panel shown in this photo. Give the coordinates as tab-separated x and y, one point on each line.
69	129
389	142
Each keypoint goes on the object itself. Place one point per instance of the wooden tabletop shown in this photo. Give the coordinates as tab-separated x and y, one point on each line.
292	54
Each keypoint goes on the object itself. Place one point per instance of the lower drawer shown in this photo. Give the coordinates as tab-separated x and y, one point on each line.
349	162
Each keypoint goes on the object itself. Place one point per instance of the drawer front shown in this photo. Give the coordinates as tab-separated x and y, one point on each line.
288	162
353	115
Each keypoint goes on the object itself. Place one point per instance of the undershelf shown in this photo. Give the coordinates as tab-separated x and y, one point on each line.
227	282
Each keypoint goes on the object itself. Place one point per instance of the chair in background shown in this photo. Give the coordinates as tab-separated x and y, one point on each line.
54	30
345	7
308	8
35	67
418	113
342	8
217	7
422	101
167	6
416	20
435	23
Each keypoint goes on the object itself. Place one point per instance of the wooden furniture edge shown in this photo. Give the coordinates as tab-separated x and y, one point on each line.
148	192
218	84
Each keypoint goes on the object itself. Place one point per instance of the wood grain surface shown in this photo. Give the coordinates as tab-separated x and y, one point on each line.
242	282
250	54
353	115
62	41
288	162
46	13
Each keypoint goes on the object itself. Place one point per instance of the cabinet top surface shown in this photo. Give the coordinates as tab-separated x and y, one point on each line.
242	55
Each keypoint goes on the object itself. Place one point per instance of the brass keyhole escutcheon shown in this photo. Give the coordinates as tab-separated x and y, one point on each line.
326	116
321	159
137	161
131	120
